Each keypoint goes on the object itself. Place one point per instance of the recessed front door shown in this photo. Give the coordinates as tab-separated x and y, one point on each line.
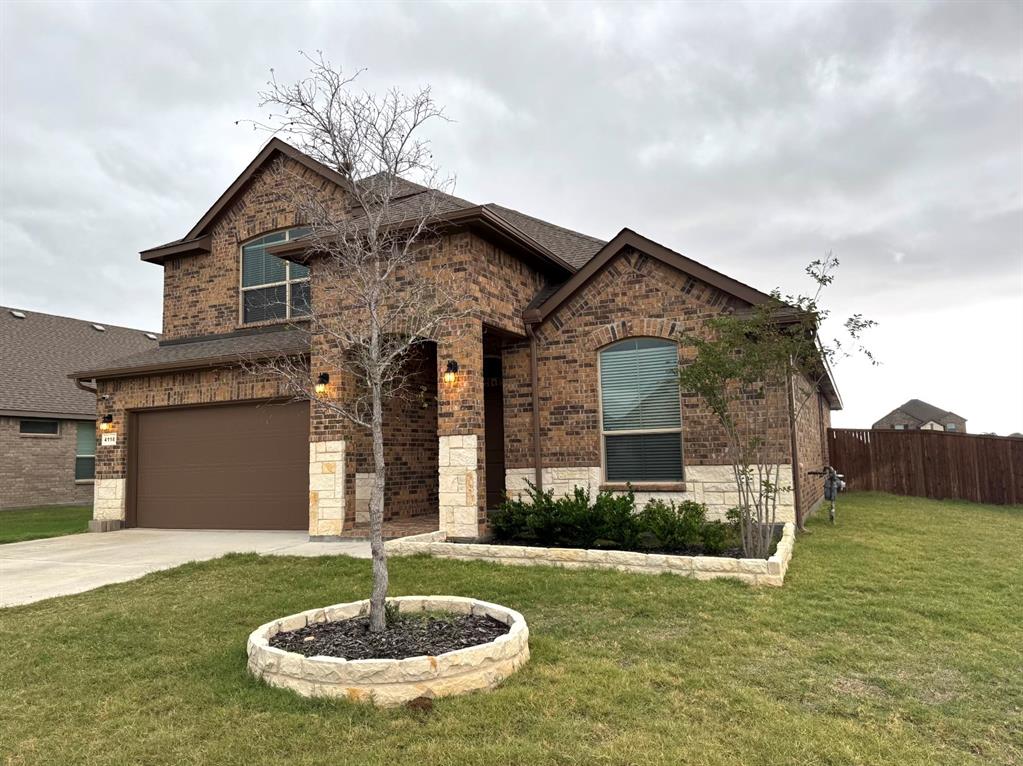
493	416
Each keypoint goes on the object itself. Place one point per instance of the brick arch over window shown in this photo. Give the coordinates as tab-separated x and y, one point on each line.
667	329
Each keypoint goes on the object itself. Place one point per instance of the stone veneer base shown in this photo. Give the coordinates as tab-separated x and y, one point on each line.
392	682
105	525
770	571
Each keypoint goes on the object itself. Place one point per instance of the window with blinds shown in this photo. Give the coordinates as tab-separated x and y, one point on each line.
641	411
273	288
85	452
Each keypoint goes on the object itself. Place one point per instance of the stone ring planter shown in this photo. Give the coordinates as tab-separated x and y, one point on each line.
392	682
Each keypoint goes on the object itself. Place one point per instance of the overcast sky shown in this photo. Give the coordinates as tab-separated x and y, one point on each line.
753	138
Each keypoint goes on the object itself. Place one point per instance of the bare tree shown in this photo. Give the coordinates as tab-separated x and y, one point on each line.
376	304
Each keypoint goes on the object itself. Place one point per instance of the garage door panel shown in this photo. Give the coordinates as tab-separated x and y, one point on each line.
226	467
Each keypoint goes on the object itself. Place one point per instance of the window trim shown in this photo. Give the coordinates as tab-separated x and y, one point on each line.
287	283
93	455
29	435
653	485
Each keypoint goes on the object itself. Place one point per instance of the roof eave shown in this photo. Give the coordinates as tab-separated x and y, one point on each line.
478	217
220	360
198	246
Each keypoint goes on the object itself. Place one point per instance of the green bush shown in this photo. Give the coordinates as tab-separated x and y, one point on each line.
610	521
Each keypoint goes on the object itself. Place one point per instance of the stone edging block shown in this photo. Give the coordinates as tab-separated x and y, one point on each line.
769	572
392	682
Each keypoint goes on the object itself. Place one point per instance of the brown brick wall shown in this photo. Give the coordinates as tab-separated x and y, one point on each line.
812	419
200	292
492	288
633	296
39	470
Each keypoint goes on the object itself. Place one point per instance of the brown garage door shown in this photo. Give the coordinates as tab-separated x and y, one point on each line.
240	466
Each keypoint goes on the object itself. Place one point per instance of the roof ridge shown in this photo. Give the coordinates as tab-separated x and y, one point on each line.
546	222
76	319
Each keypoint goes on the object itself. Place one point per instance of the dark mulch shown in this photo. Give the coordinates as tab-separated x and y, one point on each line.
405	636
731	551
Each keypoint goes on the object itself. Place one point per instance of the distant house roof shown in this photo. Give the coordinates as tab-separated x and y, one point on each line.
38	351
923	412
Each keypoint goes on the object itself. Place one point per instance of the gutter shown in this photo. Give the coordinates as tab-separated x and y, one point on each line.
535	375
83	386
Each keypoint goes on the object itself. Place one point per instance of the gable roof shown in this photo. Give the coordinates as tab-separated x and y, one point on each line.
924	412
627	238
38	351
563	248
547	300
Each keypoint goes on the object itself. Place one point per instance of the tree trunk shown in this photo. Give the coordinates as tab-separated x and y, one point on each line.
378	600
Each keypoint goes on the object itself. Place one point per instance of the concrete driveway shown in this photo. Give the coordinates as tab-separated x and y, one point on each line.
58	566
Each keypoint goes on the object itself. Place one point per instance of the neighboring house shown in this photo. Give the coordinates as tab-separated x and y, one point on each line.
917	415
47	423
203	443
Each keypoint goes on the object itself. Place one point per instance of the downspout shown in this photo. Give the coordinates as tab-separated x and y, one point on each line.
83	386
795	451
534	371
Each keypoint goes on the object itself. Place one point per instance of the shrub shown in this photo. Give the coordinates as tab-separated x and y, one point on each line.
610	521
715	537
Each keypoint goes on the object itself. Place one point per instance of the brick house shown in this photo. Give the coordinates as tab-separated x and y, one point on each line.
47	424
565	376
917	415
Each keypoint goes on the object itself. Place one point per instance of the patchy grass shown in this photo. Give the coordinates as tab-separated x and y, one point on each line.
50	521
898	638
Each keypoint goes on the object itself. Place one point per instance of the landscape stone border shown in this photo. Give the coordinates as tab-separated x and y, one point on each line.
769	571
392	682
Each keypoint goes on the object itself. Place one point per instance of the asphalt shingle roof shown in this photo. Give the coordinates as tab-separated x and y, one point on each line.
39	351
923	411
204	352
571	246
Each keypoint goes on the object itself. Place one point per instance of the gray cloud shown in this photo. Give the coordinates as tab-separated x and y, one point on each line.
751	137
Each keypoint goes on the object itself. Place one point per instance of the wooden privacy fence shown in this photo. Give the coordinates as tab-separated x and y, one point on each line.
935	464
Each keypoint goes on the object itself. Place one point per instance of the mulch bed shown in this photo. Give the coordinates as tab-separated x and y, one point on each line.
405	636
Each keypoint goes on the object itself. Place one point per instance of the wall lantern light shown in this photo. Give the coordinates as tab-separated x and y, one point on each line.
451	373
106	423
321	382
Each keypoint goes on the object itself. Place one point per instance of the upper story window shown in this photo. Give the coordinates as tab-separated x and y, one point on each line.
272	288
951	427
900	427
641	411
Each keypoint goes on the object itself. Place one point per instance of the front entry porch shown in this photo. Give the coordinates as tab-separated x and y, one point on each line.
444	441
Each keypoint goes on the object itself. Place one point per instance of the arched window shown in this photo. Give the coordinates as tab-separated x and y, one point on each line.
272	288
641	411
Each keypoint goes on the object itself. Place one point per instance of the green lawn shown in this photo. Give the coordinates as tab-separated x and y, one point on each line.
897	639
51	521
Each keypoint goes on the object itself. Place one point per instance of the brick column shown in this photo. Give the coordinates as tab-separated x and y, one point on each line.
460	431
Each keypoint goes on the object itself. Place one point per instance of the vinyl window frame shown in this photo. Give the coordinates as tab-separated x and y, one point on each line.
286	283
604	433
79	455
31	435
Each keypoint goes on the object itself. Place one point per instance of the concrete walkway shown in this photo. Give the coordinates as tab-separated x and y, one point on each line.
59	566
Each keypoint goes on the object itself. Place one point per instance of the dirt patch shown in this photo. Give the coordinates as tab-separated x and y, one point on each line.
405	636
856	687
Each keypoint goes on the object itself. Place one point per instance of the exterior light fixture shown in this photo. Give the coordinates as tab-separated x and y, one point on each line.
451	373
321	383
106	423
